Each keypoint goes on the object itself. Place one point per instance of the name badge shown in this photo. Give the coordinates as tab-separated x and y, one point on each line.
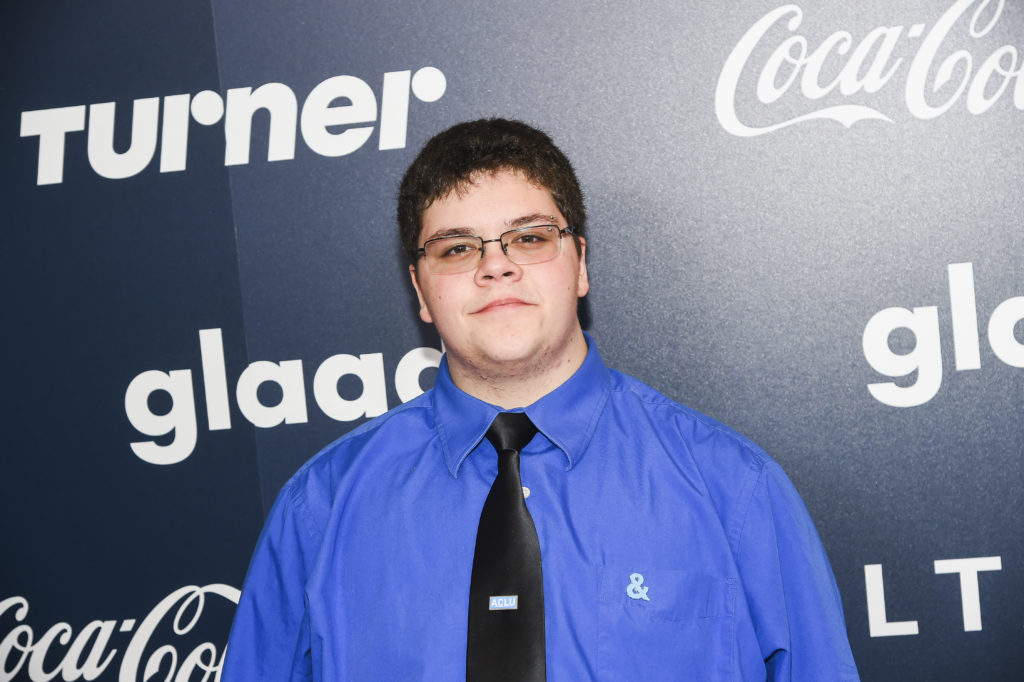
504	603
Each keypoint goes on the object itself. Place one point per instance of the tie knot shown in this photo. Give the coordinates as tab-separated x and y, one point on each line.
511	431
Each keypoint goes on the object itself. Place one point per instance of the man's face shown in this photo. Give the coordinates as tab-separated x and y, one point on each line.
501	318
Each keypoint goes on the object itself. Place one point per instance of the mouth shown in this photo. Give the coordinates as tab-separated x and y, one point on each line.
502	304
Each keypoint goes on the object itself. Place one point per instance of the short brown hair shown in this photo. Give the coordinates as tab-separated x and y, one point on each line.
449	161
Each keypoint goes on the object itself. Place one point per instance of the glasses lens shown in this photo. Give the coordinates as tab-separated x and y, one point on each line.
529	245
452	254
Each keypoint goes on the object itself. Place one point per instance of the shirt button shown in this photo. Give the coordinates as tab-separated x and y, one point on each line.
526	492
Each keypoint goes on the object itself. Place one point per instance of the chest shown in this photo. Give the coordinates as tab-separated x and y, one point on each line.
638	576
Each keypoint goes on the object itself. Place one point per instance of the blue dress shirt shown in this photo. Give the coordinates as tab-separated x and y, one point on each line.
673	548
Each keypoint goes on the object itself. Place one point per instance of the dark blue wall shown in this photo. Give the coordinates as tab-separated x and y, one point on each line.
737	253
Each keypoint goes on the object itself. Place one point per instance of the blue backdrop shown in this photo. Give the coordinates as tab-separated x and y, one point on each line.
804	221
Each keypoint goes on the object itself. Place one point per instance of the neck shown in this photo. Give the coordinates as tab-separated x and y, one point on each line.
523	383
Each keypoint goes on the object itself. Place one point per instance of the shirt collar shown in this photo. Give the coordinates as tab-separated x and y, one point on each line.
567	416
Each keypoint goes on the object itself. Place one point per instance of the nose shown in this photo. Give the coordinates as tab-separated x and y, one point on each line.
494	263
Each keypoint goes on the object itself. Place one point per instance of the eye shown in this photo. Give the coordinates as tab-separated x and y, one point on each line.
454	248
532	237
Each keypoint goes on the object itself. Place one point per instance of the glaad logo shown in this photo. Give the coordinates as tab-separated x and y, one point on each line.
181	421
89	654
926	357
869	66
319	122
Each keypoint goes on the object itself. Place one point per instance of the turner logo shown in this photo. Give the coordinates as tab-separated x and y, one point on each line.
925	360
336	119
180	421
935	79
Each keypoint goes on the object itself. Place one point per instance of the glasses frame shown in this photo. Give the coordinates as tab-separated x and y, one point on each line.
562	231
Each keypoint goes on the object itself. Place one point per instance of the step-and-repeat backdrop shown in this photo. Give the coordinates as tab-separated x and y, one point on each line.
805	221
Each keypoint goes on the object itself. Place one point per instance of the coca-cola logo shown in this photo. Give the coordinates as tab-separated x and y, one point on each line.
934	80
61	653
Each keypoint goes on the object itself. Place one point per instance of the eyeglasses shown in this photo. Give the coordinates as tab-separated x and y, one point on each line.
451	255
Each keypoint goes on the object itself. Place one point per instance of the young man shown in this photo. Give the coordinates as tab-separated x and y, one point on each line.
648	542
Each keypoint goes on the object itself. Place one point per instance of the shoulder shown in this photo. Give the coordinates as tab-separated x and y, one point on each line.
703	436
360	453
731	468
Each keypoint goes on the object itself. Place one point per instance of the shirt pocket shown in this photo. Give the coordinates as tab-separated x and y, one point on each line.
682	630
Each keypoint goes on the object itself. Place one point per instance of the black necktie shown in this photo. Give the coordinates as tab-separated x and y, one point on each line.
506	596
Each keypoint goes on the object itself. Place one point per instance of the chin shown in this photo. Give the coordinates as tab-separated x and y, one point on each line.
519	353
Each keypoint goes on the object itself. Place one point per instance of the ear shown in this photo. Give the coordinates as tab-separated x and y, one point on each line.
583	283
424	311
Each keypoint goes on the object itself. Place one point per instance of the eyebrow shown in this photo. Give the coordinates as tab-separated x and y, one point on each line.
452	232
532	218
514	223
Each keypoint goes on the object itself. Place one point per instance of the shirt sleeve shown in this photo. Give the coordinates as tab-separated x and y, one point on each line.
791	592
270	635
